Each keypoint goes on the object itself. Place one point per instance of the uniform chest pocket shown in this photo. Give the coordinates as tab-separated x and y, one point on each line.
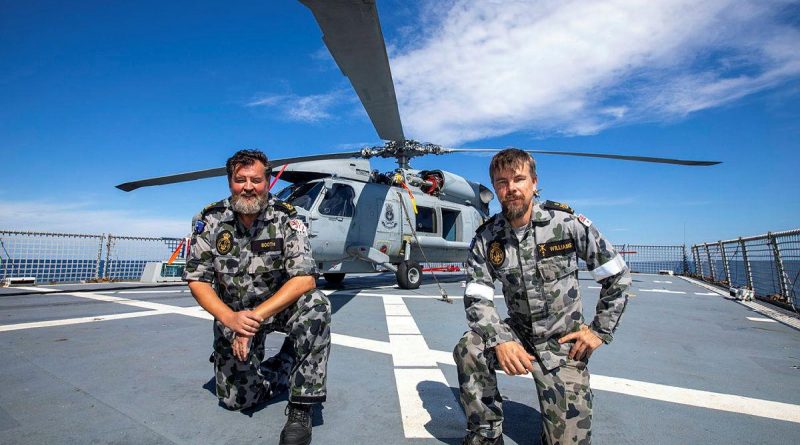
557	267
509	276
226	264
266	262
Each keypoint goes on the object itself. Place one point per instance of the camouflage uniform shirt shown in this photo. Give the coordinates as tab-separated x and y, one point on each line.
248	266
539	273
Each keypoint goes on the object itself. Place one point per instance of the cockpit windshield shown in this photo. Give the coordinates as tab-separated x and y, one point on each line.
301	195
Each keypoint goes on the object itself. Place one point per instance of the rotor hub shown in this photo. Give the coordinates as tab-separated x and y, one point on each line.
402	151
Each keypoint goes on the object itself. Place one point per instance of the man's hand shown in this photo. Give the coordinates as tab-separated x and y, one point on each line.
243	323
241	347
513	358
585	343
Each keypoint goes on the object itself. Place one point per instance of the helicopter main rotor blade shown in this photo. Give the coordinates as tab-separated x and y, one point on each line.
220	171
595	155
352	32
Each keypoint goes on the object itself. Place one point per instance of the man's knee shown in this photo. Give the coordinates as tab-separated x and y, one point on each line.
471	344
315	305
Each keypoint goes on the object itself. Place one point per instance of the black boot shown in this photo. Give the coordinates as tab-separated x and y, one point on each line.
474	438
297	430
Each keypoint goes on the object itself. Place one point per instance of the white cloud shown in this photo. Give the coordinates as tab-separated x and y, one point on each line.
312	108
86	218
489	68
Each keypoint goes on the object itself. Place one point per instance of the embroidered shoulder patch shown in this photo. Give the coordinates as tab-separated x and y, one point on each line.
297	225
199	225
584	220
496	253
552	205
225	242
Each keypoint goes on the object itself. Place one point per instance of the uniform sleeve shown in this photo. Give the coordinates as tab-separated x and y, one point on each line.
482	315
297	250
609	269
199	265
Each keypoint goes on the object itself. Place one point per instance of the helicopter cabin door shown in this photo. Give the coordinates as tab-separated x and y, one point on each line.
335	220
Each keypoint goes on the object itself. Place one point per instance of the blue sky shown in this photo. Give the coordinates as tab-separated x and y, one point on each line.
93	94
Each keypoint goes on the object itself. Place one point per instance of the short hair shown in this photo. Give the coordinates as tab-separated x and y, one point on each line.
247	157
511	158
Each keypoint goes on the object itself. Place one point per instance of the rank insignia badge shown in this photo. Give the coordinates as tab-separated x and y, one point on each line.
224	242
497	254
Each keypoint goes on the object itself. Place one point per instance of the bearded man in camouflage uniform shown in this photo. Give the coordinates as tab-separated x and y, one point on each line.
251	268
533	249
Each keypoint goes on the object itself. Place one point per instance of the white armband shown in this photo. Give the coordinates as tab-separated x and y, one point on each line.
609	269
480	290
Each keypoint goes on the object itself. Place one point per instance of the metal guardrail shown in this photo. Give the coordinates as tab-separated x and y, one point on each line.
69	257
768	264
126	256
72	257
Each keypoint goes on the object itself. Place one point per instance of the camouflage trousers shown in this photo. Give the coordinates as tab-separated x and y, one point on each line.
300	365
565	399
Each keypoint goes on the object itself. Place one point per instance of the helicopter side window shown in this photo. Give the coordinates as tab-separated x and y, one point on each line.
426	220
302	195
338	201
449	224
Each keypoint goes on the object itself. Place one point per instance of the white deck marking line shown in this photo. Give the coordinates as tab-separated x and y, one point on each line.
166	308
773	312
365	344
594	287
667	282
663	291
765	320
33	289
427	406
79	320
706	293
151	291
675	394
701	399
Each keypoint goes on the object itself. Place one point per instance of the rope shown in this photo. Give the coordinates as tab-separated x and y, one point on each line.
444	298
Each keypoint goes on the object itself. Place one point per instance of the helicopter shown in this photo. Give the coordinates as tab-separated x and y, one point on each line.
361	220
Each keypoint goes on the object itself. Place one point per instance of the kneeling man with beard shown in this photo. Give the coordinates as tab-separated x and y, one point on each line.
533	249
250	267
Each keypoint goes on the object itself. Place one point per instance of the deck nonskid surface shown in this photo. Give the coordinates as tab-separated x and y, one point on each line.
86	364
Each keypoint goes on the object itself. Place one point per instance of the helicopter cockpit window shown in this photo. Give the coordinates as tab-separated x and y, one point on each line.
338	201
426	220
450	224
301	195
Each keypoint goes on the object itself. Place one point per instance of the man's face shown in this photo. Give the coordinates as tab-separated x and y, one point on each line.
515	189
249	188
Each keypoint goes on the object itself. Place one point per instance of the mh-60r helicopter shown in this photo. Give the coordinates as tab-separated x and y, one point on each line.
358	219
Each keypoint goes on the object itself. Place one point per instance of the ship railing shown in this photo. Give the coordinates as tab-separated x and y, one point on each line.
767	264
50	258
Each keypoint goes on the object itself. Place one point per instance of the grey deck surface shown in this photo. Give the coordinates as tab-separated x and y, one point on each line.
146	379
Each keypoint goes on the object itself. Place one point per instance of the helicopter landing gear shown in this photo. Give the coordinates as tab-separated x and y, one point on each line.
333	279
409	274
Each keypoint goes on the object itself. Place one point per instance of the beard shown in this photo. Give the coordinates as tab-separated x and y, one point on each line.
248	204
513	209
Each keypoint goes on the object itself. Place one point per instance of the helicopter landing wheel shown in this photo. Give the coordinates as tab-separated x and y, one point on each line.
409	274
333	279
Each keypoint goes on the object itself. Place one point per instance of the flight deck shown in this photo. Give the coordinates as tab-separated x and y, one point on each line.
128	364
